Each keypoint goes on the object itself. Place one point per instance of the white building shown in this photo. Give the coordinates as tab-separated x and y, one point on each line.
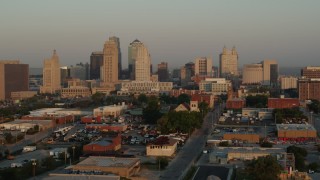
289	82
216	86
203	66
164	149
113	110
144	87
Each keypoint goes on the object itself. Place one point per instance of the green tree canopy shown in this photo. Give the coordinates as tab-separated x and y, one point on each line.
183	98
263	168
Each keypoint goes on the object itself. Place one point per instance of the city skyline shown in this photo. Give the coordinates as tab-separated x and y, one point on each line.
176	34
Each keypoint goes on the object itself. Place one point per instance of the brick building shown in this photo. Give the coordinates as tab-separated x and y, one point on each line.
207	98
282	103
236	103
309	89
105	145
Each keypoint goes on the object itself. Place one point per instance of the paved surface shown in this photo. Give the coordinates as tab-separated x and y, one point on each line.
194	146
38	154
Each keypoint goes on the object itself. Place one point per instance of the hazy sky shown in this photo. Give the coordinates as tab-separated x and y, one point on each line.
175	31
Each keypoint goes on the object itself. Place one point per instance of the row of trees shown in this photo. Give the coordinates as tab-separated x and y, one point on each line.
280	114
182	121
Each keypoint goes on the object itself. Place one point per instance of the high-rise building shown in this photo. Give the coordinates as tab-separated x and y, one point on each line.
265	73
288	82
51	75
117	40
109	69
96	61
14	77
64	75
252	74
203	66
186	72
311	72
80	71
163	73
309	89
270	72
228	62
139	61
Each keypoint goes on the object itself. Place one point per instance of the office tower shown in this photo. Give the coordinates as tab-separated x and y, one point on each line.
309	89
139	61
252	74
311	72
109	69
117	40
288	82
79	71
64	75
270	72
13	77
186	72
51	75
96	61
228	62
203	66
163	73
265	73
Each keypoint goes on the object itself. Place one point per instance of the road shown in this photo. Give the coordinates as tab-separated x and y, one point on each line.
38	154
194	146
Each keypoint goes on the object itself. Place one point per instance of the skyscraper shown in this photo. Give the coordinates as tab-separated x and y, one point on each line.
13	77
96	61
109	69
117	40
139	61
270	72
163	73
265	73
51	75
203	66
228	62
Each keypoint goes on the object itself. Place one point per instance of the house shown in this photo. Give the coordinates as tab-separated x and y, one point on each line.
186	107
162	146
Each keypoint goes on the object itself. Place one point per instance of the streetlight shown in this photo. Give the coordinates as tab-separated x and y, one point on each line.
73	147
34	163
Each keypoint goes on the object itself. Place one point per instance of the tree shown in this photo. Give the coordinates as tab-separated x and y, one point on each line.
299	154
152	112
183	98
263	168
163	161
203	107
142	98
266	144
98	98
314	106
313	166
257	101
9	138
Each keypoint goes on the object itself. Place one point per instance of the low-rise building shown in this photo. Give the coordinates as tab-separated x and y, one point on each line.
144	87
20	95
108	127
298	132
236	103
162	146
104	145
224	154
107	111
125	167
215	86
250	138
261	113
207	98
281	103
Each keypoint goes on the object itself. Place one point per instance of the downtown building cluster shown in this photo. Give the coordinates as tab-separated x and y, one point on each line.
105	73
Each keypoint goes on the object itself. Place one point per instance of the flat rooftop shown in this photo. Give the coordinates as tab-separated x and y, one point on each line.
108	161
296	127
248	150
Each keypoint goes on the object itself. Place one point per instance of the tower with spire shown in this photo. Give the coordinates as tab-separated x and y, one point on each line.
51	75
228	62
